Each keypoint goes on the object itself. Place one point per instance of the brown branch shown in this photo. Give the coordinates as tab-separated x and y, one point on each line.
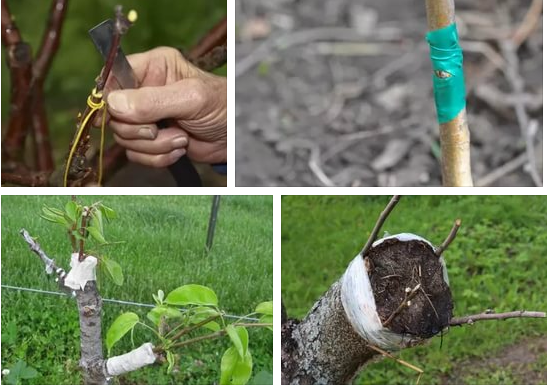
213	59
528	24
214	38
194	326
451	236
493	316
19	60
32	179
383	216
83	229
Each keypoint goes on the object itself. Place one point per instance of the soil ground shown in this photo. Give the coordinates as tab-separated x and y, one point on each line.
339	92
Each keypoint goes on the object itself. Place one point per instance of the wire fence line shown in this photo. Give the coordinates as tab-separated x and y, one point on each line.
116	301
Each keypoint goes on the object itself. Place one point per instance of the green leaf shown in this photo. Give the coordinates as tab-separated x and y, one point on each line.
213	326
267	319
262	378
54	215
157	312
265	308
192	294
120	327
201	313
96	234
20	371
240	339
234	369
113	269
71	211
108	213
171	361
227	365
97	220
161	295
242	370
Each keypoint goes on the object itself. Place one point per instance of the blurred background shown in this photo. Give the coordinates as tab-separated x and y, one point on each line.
339	93
496	261
77	63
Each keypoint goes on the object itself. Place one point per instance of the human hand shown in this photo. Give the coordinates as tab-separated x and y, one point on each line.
170	87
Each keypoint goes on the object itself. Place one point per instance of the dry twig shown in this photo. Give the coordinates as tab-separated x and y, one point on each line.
383	216
451	236
493	316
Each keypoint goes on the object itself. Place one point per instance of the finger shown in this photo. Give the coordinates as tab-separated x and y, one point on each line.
206	152
130	131
155	160
166	141
185	99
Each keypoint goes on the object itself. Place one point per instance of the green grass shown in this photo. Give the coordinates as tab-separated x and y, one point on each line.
163	249
497	261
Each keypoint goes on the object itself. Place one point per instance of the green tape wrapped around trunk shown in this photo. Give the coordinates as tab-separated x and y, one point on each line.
448	77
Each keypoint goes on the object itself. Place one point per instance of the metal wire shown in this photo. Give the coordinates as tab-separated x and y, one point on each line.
125	302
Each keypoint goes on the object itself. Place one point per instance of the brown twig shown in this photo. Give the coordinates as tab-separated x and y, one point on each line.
212	59
409	294
529	23
193	327
386	354
215	37
86	213
383	216
451	236
493	316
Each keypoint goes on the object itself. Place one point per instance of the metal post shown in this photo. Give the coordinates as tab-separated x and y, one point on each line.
454	135
212	222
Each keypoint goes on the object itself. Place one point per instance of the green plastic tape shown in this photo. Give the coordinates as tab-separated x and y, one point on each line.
448	77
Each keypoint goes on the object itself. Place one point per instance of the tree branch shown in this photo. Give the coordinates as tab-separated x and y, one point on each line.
493	316
49	263
383	216
451	236
31	179
215	37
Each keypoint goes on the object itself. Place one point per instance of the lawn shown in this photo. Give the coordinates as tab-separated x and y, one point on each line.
163	248
497	261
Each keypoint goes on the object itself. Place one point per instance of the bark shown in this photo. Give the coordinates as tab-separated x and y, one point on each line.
91	361
324	348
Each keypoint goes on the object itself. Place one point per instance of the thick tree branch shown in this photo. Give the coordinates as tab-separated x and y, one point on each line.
383	216
451	236
215	37
493	316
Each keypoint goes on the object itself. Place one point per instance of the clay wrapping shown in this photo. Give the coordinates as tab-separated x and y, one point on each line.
133	360
360	306
81	272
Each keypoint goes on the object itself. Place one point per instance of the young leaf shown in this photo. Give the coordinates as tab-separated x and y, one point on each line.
157	312
192	294
119	328
201	313
161	295
108	213
265	308
227	365
97	220
267	319
71	211
234	369
171	361
213	326
242	370
96	234
113	269
54	215
240	339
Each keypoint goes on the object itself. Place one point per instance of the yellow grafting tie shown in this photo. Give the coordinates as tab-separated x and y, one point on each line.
94	106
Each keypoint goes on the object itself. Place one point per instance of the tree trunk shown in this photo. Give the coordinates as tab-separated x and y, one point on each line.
351	322
91	361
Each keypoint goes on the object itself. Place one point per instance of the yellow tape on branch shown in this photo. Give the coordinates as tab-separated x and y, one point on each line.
93	106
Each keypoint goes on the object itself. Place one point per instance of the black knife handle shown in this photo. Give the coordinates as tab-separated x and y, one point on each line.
183	171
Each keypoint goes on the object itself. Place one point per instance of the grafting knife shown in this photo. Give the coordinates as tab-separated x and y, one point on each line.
183	171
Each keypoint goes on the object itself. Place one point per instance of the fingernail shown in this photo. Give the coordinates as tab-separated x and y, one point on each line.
146	132
118	102
179	142
176	154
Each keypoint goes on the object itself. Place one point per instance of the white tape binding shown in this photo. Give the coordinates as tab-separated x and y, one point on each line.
131	361
360	306
81	272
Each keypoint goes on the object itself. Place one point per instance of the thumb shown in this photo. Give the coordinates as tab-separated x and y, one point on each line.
181	100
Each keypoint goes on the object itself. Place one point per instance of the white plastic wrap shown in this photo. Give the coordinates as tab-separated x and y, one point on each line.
81	272
133	360
360	306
